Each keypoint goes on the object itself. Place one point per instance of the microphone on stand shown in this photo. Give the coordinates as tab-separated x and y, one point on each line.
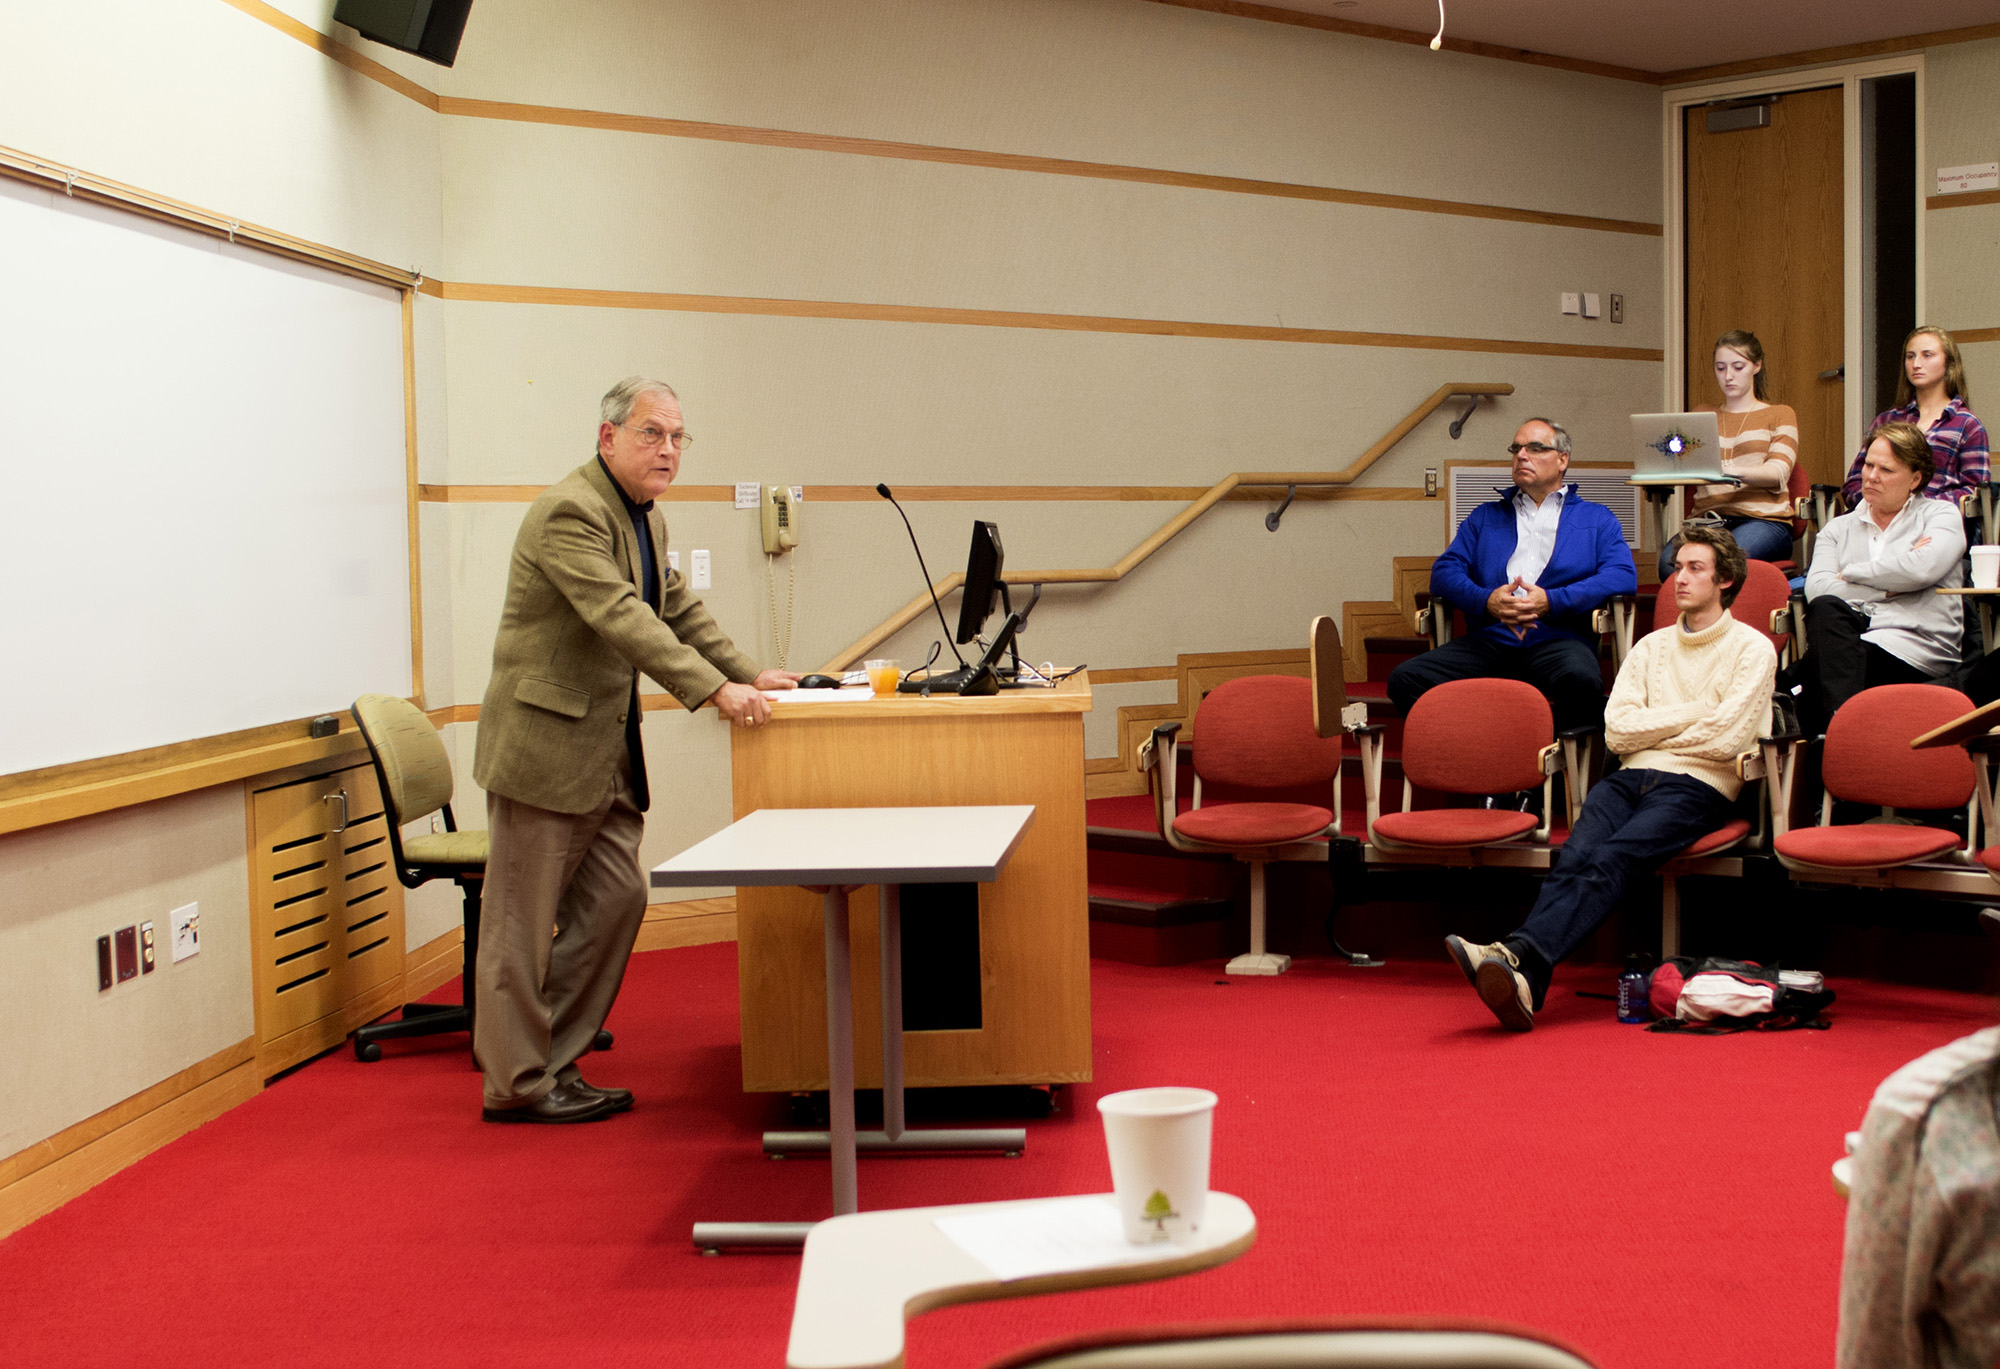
978	678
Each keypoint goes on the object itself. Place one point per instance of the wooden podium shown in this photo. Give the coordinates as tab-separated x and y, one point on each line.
1029	992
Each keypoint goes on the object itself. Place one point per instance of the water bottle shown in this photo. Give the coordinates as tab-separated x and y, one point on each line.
1632	1004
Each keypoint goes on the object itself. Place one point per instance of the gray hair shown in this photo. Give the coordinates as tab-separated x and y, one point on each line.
1562	433
619	399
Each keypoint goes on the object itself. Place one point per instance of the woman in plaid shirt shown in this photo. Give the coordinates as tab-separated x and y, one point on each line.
1931	394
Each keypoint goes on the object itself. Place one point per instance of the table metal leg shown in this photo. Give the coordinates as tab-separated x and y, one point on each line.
840	1052
891	904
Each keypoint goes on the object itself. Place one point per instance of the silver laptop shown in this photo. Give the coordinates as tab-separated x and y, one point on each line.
1677	449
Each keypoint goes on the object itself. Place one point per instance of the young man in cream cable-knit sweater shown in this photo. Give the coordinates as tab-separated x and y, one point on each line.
1688	700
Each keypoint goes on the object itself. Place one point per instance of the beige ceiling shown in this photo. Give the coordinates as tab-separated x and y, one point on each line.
1653	36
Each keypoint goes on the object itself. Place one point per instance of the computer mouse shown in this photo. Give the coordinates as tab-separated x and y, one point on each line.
819	682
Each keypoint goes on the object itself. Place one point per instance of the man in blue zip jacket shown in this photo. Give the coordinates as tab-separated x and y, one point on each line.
1527	570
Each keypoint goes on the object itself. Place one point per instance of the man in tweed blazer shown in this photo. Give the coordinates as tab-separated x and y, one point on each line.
590	605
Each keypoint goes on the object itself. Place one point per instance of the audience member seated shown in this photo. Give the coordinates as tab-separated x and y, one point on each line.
1687	702
1528	570
1872	614
1931	395
1760	443
1920	1277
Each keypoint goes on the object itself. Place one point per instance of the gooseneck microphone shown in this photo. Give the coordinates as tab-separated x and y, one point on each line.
883	490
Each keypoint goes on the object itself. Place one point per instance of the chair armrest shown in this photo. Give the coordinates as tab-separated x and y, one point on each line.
1550	758
1750	765
1149	750
1615	617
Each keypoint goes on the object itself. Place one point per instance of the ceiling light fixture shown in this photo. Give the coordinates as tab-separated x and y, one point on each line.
1438	41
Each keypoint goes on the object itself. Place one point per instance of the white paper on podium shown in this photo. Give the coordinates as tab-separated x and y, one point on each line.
1020	1241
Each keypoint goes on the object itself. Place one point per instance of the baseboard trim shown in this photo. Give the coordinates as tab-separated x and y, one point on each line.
435	962
75	1160
692	922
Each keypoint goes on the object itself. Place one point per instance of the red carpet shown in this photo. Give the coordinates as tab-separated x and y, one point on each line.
1655	1201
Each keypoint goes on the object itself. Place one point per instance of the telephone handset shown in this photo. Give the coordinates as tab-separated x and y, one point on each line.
780	507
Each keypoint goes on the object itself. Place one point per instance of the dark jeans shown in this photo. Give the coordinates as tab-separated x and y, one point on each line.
1838	664
1632	819
1762	539
1563	668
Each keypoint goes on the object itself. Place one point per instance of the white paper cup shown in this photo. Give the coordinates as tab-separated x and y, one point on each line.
1159	1143
1986	567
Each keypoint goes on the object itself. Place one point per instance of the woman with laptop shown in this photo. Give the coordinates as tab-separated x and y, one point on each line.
1760	442
1872	614
1931	394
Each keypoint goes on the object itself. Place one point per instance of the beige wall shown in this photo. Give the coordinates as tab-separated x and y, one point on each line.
1962	245
201	101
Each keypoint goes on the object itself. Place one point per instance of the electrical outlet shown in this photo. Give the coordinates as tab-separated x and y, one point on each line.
702	578
1572	302
749	493
186	922
1618	308
1430	482
798	494
146	962
125	942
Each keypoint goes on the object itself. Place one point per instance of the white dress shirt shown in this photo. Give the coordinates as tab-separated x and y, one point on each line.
1534	535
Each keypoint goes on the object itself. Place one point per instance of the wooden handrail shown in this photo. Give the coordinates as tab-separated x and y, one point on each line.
1132	559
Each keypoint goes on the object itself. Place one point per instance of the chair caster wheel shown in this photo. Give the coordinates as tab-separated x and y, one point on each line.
602	1041
369	1051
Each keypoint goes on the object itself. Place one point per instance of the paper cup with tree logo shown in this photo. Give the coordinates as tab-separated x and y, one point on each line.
1158	1140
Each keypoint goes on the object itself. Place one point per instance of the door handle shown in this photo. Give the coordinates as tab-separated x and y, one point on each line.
1837	373
340	794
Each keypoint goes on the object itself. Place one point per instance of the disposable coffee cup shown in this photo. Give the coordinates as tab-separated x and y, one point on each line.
1986	567
1158	1140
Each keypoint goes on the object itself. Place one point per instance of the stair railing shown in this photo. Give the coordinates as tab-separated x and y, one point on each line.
1216	493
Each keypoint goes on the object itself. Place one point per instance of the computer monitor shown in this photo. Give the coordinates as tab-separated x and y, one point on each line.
983	585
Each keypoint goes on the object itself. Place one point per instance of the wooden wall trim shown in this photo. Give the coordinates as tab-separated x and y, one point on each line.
1850	52
1962	201
1006	318
46	1175
1012	161
944	494
1975	334
690	922
339	52
1270	14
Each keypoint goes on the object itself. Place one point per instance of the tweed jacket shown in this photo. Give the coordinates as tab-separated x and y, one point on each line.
574	635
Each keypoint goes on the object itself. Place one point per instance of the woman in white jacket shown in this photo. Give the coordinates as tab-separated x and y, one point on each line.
1873	616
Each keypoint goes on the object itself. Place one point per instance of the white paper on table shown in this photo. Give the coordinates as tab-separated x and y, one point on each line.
845	695
1052	1237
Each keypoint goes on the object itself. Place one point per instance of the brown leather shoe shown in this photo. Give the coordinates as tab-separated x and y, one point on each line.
563	1103
620	1099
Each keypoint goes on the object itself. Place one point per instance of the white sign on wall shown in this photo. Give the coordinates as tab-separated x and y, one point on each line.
1956	180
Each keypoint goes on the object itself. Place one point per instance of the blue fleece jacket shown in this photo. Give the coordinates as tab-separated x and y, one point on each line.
1591	563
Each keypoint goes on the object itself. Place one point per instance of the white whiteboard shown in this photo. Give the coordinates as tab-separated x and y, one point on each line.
203	510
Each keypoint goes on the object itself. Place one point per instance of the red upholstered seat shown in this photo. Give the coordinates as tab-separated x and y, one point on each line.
1721	838
1872	845
1765	591
1454	826
1990	858
1868	757
1253	824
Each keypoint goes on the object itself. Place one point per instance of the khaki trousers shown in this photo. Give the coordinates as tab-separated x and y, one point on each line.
563	902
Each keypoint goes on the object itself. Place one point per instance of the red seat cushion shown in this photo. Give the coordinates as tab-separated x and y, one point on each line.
1454	826
1869	844
1728	834
1990	858
1253	824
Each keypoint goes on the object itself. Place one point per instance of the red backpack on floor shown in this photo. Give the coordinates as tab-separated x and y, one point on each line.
1715	997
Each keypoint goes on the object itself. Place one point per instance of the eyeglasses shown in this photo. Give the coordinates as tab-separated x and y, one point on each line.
1531	448
649	436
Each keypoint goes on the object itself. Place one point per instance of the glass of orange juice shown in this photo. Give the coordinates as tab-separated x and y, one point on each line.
884	675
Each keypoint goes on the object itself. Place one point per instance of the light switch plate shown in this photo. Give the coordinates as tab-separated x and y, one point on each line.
699	572
125	942
673	560
1593	306
1618	308
104	980
1571	302
748	494
186	922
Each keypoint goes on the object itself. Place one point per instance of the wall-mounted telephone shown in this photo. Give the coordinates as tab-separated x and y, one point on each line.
780	507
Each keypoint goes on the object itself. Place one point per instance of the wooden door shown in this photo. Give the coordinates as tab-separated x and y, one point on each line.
1765	252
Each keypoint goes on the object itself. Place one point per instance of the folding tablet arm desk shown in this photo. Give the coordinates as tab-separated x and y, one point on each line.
836	850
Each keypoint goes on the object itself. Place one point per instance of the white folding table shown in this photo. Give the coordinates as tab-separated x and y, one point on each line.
834	851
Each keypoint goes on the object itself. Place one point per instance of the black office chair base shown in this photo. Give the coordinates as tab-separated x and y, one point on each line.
602	1041
418	1019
